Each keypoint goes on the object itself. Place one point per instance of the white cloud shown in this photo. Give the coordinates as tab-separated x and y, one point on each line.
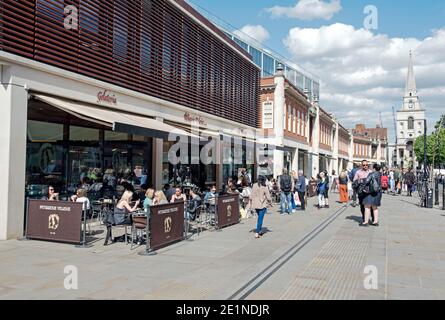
366	73
249	32
308	10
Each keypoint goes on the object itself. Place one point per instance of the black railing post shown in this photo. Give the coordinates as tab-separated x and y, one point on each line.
436	191
443	193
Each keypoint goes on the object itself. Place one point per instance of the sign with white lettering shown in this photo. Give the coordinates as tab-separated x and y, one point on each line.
268	117
228	210
54	220
166	224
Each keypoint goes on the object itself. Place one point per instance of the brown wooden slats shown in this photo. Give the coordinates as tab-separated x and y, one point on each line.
149	46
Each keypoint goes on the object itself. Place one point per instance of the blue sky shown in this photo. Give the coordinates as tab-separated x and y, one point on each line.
362	72
397	18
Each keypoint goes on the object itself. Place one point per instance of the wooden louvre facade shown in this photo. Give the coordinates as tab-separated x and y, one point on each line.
149	46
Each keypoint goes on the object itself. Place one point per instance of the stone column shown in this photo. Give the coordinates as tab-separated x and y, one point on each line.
13	128
157	163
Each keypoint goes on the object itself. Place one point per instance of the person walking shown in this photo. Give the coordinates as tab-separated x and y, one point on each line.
392	182
410	180
326	193
354	190
343	187
321	190
286	186
360	180
301	189
261	200
373	199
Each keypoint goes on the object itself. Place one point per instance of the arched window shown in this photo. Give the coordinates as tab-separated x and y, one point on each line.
410	123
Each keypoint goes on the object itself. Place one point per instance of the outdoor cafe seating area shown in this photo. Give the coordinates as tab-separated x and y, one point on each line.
96	222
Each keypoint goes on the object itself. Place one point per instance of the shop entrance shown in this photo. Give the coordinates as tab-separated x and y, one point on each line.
68	153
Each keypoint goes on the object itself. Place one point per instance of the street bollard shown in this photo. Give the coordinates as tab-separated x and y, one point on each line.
436	191
443	194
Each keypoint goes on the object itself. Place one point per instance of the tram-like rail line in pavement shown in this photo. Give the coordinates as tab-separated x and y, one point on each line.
247	289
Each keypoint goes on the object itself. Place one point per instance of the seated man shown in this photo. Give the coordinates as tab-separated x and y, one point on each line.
193	205
210	197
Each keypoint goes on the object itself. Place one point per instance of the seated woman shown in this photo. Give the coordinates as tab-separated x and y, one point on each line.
178	196
123	208
159	198
120	215
52	195
149	195
81	196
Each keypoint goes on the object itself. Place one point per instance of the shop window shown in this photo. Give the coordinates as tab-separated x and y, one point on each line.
116	136
44	167
39	131
83	134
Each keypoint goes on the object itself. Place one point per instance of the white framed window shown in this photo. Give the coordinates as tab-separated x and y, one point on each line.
298	122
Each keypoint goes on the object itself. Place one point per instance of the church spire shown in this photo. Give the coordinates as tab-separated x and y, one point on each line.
411	88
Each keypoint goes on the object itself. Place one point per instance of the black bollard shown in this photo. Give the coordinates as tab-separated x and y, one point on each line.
443	194
436	192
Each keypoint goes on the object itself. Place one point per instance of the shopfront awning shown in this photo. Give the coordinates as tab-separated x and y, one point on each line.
118	121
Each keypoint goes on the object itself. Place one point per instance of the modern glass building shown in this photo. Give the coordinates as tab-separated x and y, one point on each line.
268	61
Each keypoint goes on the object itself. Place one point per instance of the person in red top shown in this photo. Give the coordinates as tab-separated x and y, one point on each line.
385	182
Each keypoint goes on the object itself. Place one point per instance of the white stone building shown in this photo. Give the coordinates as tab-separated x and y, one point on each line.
410	123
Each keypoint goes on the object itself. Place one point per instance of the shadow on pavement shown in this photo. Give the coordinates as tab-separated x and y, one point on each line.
355	218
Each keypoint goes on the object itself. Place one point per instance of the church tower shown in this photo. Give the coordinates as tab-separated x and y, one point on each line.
410	121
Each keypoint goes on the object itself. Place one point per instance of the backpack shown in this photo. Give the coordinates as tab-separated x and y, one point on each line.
286	183
374	185
385	182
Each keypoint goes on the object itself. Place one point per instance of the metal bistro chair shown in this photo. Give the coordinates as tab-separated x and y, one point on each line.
139	226
209	216
96	207
198	222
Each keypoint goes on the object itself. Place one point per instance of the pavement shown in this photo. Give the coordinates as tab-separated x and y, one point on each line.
317	254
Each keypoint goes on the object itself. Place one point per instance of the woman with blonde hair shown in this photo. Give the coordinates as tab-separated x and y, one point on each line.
149	195
121	214
159	198
81	197
123	208
343	187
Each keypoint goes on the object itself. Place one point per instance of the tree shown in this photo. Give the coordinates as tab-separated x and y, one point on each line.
435	146
440	123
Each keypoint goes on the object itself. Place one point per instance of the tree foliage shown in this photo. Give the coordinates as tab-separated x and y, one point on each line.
435	148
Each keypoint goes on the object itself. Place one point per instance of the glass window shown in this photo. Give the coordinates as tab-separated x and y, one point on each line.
44	167
39	131
89	18
83	134
300	81
298	123
120	34
256	56
317	90
410	123
116	136
268	66
85	166
242	44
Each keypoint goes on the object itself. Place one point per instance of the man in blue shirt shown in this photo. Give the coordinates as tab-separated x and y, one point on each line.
301	189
